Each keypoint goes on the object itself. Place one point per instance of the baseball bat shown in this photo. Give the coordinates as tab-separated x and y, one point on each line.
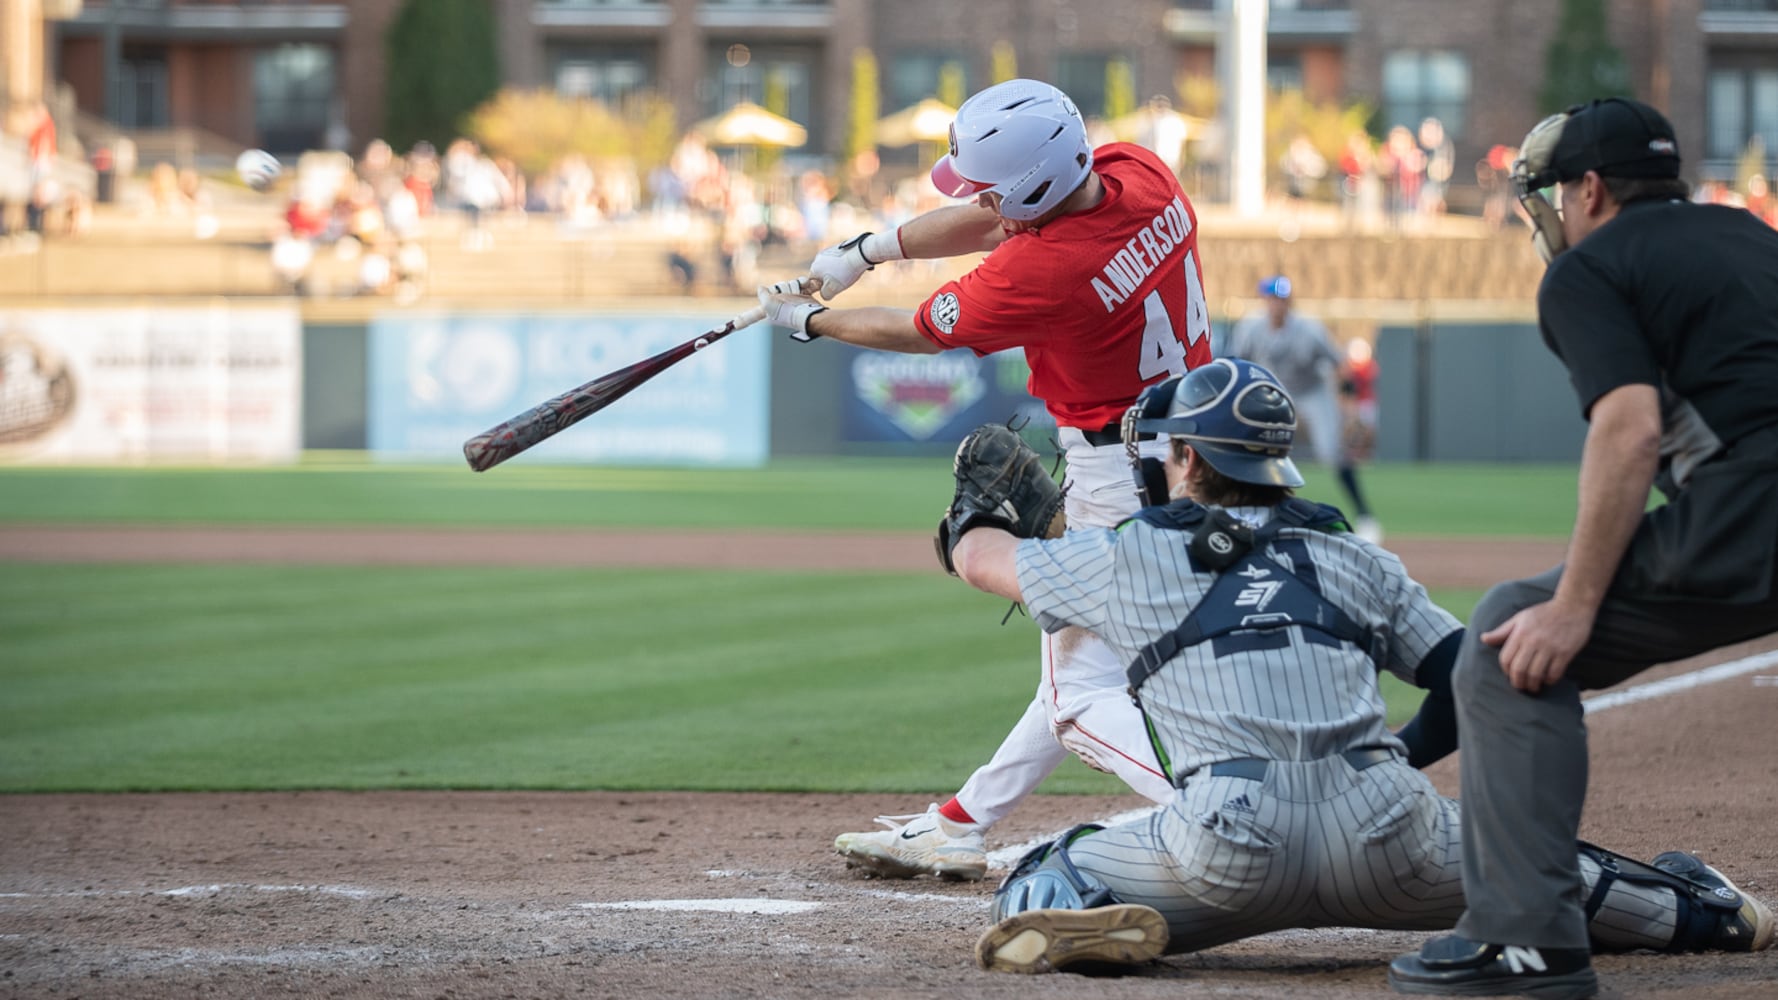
557	414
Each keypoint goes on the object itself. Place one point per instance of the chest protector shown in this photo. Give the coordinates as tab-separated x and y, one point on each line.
1255	600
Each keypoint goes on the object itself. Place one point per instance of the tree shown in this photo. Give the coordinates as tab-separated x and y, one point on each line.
950	84
861	135
1005	63
537	128
1120	89
1581	63
441	63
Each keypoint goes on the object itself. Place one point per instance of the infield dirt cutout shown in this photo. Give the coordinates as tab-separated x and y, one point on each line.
483	894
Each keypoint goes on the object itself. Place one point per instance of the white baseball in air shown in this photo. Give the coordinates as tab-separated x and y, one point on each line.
257	168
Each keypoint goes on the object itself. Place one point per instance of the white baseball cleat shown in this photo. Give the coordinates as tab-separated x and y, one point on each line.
1367	528
1048	940
917	844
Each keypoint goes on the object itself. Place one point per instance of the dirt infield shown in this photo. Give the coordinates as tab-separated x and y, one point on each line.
418	894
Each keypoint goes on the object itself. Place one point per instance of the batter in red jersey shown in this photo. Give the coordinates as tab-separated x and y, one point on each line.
1092	270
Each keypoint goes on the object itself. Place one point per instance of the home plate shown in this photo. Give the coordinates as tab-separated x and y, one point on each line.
708	905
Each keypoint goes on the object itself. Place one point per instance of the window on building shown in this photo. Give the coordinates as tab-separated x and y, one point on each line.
1426	84
914	76
1081	75
293	96
1284	72
1743	104
609	75
140	98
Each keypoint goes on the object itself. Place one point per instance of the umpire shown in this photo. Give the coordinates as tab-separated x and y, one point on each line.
1665	314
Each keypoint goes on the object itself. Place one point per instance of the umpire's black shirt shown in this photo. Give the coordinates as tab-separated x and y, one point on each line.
1673	289
1684	297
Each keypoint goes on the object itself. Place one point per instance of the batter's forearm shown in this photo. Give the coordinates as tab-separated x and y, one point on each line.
951	232
876	327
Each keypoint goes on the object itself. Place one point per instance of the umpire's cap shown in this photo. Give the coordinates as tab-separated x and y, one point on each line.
1233	413
1616	136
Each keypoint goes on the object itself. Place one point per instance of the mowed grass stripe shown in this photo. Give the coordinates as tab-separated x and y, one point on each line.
207	677
814	494
303	677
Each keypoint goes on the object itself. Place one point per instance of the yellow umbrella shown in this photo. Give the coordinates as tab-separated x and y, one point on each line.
1143	123
748	124
927	121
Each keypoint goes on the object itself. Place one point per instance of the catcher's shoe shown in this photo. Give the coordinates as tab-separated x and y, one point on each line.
917	844
1049	940
1749	928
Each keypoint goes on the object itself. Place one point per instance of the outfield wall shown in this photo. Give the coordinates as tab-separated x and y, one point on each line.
411	385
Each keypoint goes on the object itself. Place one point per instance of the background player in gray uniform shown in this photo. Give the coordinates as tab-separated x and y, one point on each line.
1297	349
1255	635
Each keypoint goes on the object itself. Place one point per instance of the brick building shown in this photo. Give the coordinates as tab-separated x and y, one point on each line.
291	74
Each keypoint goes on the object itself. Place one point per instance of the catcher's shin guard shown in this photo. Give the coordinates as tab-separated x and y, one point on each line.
1046	879
1713	913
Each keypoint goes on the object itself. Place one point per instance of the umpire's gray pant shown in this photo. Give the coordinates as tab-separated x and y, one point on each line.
1524	757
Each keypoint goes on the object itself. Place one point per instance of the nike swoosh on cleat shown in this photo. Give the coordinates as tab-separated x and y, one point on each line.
911	834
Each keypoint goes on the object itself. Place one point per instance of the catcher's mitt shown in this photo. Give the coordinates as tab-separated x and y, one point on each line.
1001	483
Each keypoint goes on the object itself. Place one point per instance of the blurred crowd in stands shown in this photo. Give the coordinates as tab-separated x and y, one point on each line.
376	216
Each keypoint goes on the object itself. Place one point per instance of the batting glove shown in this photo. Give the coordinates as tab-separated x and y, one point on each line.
786	305
839	267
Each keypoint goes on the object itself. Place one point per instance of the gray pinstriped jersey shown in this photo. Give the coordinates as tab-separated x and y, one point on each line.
1300	702
1316	841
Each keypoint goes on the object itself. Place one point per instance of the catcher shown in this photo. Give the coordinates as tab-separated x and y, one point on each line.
1254	628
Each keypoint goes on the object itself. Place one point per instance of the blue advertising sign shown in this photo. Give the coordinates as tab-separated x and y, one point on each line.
437	380
918	398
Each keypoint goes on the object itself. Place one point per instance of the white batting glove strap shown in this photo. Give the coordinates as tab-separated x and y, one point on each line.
839	267
787	306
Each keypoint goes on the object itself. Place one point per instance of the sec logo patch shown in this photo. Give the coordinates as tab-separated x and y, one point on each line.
944	312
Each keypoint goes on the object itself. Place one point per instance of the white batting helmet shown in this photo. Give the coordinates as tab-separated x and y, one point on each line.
1023	140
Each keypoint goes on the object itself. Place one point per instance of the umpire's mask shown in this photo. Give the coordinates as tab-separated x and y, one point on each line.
1615	137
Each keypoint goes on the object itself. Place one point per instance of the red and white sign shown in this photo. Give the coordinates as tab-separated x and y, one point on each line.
219	384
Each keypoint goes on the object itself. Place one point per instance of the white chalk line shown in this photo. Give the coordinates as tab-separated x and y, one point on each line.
214	889
1682	682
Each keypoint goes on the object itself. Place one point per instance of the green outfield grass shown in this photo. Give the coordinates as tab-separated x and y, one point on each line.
227	677
825	494
244	677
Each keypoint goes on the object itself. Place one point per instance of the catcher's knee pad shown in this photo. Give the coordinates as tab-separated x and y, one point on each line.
1702	906
1046	879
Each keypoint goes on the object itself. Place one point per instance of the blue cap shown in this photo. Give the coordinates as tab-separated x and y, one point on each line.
1275	287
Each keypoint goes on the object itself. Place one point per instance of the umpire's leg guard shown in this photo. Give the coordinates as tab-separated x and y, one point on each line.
1046	879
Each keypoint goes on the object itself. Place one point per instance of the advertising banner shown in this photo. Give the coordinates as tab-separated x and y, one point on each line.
220	383
437	380
935	398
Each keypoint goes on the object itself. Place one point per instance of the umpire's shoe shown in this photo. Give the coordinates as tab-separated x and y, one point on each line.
1726	926
1453	966
1050	940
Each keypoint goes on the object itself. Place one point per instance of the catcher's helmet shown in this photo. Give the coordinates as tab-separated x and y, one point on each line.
1023	140
1232	412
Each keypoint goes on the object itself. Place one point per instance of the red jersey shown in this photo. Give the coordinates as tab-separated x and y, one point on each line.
1104	302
